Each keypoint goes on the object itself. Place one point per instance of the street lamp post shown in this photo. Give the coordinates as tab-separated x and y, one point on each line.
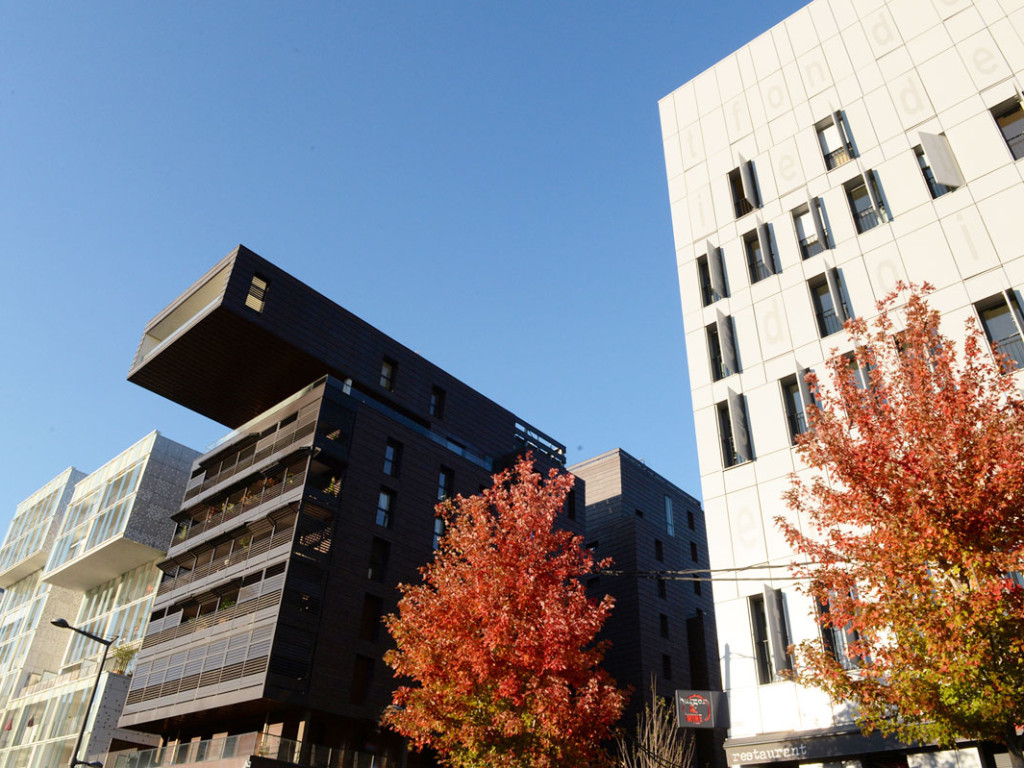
63	624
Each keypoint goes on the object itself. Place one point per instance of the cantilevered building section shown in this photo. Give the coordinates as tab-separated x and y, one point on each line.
295	528
82	548
853	145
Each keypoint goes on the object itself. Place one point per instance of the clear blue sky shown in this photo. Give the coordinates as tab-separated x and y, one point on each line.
483	181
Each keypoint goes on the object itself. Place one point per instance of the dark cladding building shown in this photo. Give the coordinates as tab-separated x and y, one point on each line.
663	625
265	641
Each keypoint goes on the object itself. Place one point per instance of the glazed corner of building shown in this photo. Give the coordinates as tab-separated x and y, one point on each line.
852	145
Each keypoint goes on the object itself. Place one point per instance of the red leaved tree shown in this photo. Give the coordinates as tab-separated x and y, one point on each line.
498	639
914	527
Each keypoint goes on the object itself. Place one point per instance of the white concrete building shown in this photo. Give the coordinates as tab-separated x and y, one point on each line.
83	548
856	143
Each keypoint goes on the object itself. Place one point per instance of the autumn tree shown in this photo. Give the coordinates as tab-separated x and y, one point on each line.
498	639
913	525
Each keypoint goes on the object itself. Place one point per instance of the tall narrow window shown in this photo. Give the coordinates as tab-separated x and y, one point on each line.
392	457
866	204
828	297
380	551
837	640
691	520
670	524
1010	118
659	551
662	589
369	623
744	189
666	666
663	623
362	677
1002	320
770	633
760	258
711	275
385	507
733	433
257	296
938	166
694	552
835	141
437	398
794	405
388	371
444	484
810	228
722	348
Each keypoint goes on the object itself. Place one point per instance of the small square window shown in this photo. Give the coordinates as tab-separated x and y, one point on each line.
385	507
388	371
257	296
639	512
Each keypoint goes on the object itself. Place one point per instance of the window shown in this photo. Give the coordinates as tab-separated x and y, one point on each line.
385	504
663	621
1002	320
810	228
760	256
866	204
711	274
257	297
380	550
938	166
670	525
691	520
662	589
392	457
828	298
659	551
1010	118
437	398
744	188
722	348
837	640
444	484
388	371
835	140
439	531
666	666
369	624
796	397
733	433
696	585
694	553
639	512
770	633
362	676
